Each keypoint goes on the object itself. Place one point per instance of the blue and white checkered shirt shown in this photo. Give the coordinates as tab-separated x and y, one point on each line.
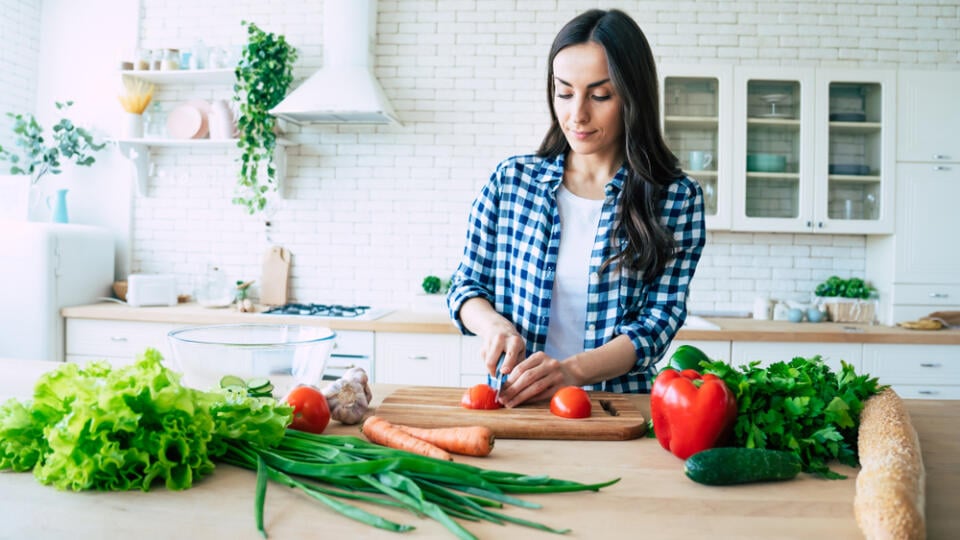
510	257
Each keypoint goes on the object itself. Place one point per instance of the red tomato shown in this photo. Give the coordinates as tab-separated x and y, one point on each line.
570	402
310	410
480	396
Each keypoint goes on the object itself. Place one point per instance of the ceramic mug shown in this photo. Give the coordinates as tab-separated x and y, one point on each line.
700	160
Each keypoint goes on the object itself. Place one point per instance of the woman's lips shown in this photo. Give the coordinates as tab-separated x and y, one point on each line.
581	135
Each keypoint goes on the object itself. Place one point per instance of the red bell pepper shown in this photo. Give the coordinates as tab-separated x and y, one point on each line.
691	412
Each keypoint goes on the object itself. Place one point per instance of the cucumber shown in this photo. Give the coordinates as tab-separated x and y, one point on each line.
258	383
724	466
232	380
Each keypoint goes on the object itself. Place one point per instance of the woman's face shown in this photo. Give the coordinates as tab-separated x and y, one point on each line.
587	107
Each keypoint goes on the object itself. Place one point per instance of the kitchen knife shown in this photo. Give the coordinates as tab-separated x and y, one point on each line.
498	382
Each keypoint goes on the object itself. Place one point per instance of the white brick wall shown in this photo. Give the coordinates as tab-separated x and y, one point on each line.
369	211
19	51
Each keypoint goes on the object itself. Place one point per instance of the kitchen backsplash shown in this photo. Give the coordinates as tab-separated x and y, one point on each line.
368	211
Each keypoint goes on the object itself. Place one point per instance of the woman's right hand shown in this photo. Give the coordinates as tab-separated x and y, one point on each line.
503	339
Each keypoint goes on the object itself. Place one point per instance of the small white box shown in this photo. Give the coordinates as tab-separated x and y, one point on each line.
151	290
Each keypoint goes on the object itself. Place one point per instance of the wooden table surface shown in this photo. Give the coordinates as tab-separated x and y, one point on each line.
653	497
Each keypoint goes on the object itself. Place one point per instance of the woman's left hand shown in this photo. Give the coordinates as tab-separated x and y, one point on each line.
535	379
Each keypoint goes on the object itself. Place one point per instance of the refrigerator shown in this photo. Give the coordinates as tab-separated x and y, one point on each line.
45	267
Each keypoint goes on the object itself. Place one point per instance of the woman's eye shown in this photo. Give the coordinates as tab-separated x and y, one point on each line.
601	98
564	96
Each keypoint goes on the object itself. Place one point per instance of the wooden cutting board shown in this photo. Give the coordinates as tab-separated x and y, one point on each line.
613	417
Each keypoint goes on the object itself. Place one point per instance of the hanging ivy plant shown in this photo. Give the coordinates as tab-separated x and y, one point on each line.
264	75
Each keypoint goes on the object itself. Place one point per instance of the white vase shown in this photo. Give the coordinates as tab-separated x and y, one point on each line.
15	200
132	126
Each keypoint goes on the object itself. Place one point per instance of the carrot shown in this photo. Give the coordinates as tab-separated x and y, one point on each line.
466	440
386	434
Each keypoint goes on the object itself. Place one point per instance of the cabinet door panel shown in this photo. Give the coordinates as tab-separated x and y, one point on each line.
744	352
121	339
927	223
928	115
913	364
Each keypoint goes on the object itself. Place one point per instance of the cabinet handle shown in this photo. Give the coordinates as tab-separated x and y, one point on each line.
809	224
928	392
941	156
118	339
348	366
819	224
930	364
418	357
941	168
939	295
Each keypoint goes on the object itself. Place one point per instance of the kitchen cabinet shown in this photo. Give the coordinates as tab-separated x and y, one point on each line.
118	342
915	371
138	150
472	369
916	271
417	359
744	352
696	108
928	116
351	348
813	150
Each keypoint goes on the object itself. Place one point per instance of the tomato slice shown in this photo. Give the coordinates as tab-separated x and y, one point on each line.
311	413
480	396
570	402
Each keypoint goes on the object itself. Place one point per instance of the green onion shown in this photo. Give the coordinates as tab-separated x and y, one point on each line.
331	467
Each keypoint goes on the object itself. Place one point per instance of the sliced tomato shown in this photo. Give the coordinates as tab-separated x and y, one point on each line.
480	396
570	402
311	413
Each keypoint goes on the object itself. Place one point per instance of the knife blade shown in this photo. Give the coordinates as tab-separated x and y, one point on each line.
498	383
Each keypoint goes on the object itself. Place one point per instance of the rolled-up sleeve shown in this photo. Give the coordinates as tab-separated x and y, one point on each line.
475	276
663	308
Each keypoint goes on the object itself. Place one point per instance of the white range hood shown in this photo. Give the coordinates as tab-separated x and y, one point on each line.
345	89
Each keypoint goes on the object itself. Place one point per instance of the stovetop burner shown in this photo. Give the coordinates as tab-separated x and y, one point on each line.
336	311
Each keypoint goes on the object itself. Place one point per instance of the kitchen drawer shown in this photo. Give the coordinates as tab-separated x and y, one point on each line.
417	359
119	339
926	294
913	312
913	364
913	391
744	352
351	349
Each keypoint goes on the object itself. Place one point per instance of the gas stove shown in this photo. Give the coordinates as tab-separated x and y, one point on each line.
329	311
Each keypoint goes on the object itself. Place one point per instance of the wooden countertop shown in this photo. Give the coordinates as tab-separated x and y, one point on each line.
439	323
653	494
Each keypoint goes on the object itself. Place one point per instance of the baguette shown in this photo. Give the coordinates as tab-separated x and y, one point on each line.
889	501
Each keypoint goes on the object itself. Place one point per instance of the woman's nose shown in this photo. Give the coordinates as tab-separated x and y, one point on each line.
580	112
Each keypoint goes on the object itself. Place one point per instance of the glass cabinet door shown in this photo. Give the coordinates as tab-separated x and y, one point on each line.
854	160
695	107
775	149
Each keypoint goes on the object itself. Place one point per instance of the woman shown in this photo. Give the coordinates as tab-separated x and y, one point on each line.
578	258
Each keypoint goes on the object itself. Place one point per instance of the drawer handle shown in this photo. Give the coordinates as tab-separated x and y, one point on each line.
941	156
348	366
928	392
941	168
418	357
930	364
118	339
939	295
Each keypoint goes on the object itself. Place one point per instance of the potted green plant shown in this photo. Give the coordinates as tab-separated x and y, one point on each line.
35	156
847	300
264	75
433	298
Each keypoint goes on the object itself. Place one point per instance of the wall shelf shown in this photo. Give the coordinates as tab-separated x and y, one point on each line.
138	152
221	76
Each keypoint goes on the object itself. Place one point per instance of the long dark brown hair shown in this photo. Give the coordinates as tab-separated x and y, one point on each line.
651	166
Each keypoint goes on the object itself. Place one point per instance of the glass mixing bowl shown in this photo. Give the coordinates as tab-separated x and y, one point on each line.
285	354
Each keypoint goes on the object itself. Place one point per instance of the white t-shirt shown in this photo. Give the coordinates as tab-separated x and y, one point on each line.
579	219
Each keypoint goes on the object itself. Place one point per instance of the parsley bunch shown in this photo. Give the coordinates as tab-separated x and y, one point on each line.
801	406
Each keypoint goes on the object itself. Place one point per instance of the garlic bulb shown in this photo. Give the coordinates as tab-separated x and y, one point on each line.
349	396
